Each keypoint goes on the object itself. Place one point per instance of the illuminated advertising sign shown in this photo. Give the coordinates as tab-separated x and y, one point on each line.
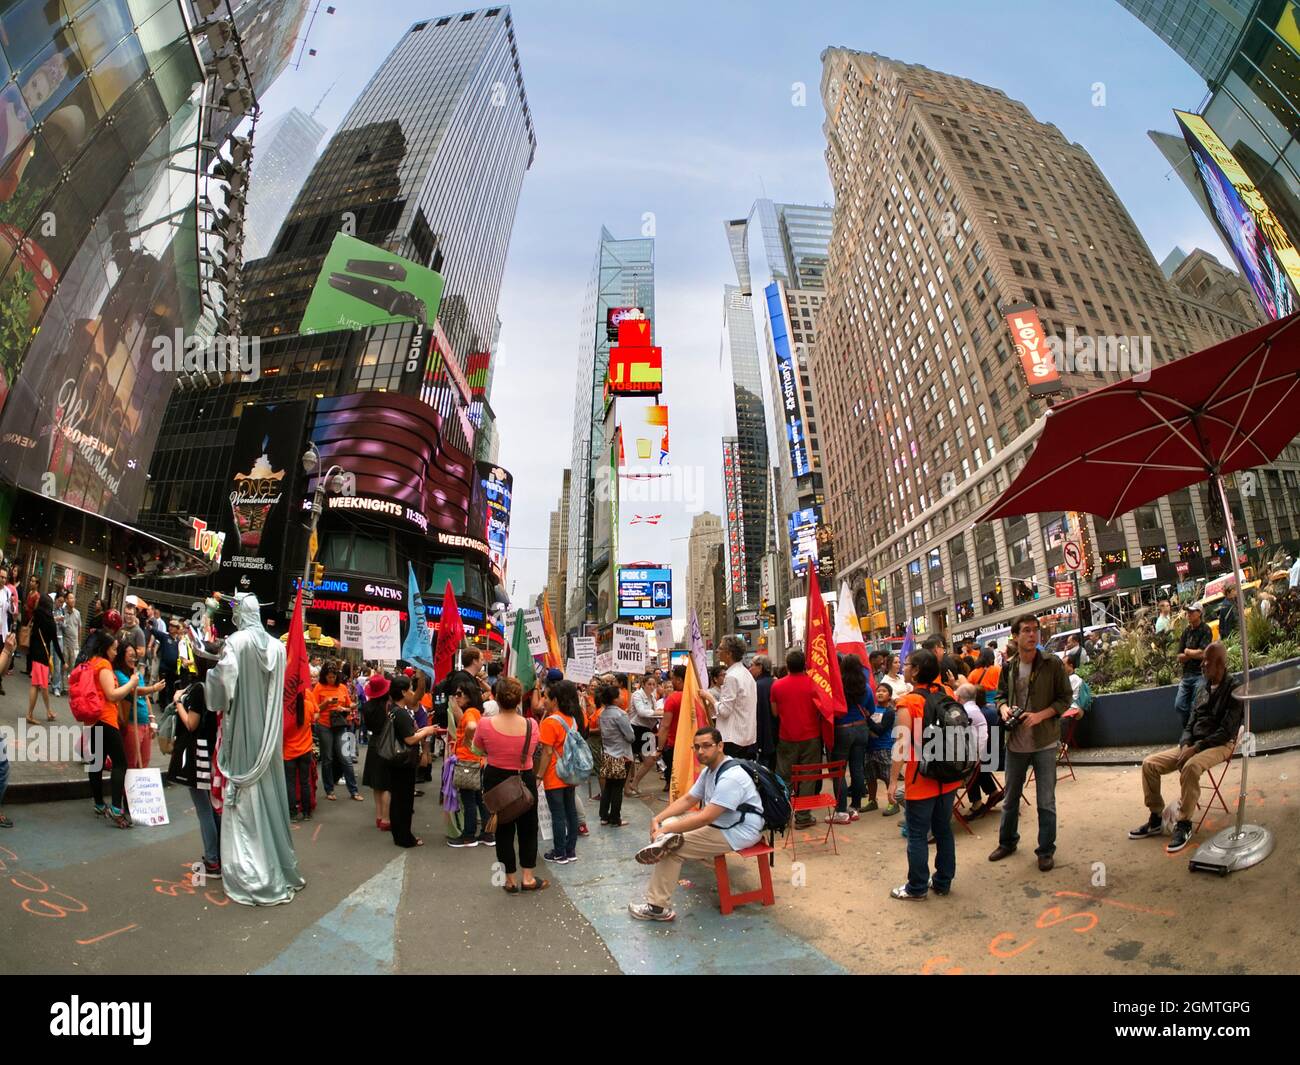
810	538
635	367
1249	227
1032	350
617	316
361	285
735	517
206	542
497	487
643	440
788	374
645	594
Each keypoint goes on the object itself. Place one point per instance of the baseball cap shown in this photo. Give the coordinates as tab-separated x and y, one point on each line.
1198	607
554	676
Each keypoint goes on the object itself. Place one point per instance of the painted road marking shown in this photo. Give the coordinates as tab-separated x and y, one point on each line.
106	935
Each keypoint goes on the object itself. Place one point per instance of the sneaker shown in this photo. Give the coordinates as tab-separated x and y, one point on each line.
582	830
854	815
569	859
871	807
839	818
462	841
939	891
890	810
665	844
643	911
212	870
1182	837
901	892
295	817
487	839
804	826
100	811
1153	827
556	859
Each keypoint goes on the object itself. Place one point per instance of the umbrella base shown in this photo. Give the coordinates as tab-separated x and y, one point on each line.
1229	850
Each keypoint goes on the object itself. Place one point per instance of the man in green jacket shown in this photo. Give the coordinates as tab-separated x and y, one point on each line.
1033	694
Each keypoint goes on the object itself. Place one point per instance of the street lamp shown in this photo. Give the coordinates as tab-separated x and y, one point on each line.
332	480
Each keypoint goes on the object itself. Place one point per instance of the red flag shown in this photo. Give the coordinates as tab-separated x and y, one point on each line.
297	670
823	665
450	634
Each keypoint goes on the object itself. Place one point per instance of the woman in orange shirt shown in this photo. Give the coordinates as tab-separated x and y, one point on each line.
334	703
467	711
105	736
297	755
929	802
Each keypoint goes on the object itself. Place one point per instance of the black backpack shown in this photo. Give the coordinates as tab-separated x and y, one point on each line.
772	793
949	749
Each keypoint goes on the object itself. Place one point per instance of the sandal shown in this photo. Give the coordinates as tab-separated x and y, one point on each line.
32	721
510	889
357	798
51	717
539	884
385	826
5	822
331	797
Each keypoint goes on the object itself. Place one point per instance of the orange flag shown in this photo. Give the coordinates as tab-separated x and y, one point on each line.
823	665
554	659
685	769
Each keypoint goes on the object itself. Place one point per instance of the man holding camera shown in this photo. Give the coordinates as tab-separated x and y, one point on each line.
1033	694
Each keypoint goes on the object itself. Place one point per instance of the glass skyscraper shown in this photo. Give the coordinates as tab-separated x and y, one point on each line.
286	152
1203	32
622	276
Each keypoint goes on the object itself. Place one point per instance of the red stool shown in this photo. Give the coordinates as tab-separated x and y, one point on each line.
764	894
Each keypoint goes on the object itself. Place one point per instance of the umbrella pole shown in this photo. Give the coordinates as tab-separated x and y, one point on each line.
1245	641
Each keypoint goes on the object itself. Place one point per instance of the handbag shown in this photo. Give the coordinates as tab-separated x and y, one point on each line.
468	776
392	750
612	768
511	799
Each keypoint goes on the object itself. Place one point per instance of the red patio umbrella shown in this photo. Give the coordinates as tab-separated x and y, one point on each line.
1230	407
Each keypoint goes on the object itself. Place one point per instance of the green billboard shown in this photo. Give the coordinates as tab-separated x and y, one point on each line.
361	285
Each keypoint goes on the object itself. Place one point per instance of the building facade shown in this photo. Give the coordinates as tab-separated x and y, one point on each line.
557	555
1202	32
705	539
622	277
953	204
286	152
428	164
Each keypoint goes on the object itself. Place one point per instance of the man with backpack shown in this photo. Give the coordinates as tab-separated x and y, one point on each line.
936	750
723	812
1033	694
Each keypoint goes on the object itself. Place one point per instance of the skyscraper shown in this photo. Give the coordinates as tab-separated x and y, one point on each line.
706	537
1203	32
427	163
955	205
557	555
286	151
622	278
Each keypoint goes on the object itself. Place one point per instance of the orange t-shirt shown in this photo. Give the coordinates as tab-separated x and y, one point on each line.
988	678
624	698
297	738
553	734
108	715
323	692
916	786
463	753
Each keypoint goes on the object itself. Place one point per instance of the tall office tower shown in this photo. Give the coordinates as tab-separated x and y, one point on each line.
286	151
427	163
557	556
953	206
746	451
782	249
622	277
1203	32
706	535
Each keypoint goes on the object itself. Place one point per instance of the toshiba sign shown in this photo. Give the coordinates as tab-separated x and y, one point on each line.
1032	348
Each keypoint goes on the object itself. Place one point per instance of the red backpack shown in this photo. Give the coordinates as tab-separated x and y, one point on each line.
86	699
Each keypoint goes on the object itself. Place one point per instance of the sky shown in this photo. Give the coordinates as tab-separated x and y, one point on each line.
688	112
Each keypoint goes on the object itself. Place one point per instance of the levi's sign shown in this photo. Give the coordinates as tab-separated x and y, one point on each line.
1031	346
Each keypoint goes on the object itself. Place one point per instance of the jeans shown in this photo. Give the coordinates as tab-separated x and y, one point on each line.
790	753
564	819
57	668
297	778
851	746
923	817
473	811
1044	763
333	759
1187	689
209	825
4	779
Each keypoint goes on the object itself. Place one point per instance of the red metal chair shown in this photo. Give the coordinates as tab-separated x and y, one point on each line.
763	894
1215	784
814	773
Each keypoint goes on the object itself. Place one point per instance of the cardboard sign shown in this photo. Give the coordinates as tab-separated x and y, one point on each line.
579	670
605	662
631	653
534	628
145	798
350	630
664	640
381	635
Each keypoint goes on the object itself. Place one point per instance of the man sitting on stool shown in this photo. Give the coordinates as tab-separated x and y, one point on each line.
1206	741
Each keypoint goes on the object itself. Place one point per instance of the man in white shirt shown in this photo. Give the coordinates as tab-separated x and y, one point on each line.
738	703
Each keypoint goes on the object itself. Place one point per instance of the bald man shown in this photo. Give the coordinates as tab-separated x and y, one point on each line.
1206	741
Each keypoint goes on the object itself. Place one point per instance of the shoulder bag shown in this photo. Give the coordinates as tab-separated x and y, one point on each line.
511	799
392	750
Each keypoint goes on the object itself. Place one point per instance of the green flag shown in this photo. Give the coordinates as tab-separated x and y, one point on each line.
521	658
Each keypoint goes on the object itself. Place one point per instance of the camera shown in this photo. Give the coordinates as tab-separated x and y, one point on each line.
1017	712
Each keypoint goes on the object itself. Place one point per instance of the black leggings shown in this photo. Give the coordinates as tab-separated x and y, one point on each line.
611	799
106	742
402	804
525	826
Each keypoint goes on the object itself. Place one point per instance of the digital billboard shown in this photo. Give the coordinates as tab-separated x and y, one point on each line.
1249	227
788	374
498	485
616	317
643	442
645	593
360	285
735	517
810	538
635	366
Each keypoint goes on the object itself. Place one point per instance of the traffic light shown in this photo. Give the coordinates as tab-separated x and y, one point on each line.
317	573
873	595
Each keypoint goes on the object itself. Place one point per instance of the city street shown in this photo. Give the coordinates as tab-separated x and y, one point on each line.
77	896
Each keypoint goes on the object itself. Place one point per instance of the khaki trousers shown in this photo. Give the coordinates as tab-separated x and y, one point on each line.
706	842
1154	766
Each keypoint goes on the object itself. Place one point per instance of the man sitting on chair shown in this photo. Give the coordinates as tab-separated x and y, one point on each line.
1207	740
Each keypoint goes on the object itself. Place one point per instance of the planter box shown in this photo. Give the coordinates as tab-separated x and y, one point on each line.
1147	717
